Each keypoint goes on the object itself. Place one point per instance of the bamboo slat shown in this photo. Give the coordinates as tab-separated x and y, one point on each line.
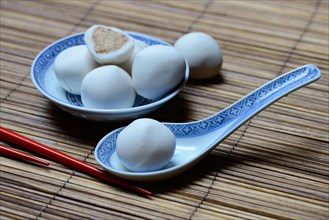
275	166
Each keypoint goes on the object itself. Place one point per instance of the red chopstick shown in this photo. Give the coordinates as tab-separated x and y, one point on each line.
18	154
65	159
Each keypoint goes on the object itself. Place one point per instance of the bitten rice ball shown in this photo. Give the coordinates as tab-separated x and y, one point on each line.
108	45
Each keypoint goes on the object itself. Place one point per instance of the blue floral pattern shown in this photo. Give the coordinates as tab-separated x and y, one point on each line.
76	100
107	147
48	56
268	93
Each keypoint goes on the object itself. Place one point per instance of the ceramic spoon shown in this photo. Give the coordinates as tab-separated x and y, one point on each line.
196	139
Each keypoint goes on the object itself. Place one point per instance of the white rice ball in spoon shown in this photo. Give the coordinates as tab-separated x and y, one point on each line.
145	145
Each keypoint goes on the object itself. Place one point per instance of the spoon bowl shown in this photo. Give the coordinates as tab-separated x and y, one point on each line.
194	140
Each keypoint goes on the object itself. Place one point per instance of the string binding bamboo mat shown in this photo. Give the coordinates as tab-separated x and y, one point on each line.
274	167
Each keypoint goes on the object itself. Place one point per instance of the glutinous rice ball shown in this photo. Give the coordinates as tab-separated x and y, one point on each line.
107	87
145	145
156	70
203	54
71	65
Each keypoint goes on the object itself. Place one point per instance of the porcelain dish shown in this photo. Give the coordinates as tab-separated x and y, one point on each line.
44	79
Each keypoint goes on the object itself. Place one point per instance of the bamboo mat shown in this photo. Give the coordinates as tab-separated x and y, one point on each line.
274	167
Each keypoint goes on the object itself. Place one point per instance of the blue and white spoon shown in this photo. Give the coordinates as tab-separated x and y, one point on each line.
196	139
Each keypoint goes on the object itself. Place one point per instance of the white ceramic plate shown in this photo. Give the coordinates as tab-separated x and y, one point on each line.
44	79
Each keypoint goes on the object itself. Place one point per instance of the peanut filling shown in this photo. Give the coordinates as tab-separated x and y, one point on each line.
105	40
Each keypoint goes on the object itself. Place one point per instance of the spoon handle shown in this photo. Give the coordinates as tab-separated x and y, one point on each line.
250	105
231	118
